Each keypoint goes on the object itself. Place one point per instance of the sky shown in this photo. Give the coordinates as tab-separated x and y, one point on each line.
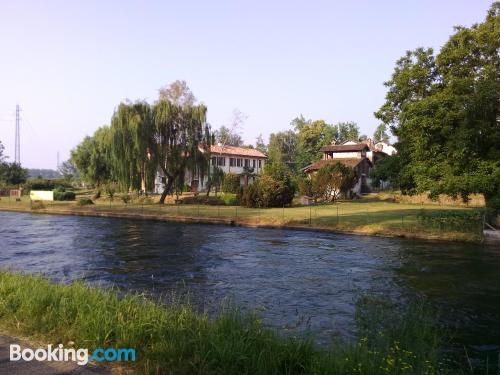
68	64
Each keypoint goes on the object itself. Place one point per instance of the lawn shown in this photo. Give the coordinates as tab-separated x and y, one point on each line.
369	215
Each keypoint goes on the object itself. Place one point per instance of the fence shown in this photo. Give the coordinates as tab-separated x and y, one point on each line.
348	216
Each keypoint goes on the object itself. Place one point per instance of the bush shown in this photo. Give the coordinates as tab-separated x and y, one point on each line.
461	221
229	199
64	196
231	183
85	202
268	191
45	184
201	199
126	198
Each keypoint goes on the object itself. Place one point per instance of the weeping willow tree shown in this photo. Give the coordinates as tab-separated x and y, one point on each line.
93	160
132	142
182	142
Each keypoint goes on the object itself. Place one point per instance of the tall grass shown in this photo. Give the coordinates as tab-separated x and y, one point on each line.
173	338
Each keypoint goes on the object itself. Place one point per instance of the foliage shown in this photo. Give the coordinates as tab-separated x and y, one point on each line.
388	169
274	188
282	149
2	156
260	144
64	195
46	184
460	221
68	170
92	158
230	199
231	183
216	179
176	338
12	173
177	93
444	110
226	137
182	141
132	135
333	181
347	131
305	186
43	173
380	133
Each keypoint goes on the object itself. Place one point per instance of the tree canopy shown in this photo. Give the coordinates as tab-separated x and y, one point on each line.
444	109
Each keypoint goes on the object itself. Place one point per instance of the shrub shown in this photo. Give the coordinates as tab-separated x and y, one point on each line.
85	202
268	191
126	198
64	195
461	221
332	181
229	199
231	183
45	184
200	199
305	186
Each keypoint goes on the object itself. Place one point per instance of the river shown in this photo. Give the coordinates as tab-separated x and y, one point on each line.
298	281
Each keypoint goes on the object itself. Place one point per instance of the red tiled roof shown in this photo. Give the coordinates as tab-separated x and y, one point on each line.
345	148
350	162
238	151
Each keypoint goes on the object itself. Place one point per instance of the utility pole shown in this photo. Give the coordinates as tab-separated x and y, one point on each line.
17	156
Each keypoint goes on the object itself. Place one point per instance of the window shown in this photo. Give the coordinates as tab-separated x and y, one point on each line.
238	162
221	161
260	163
247	163
232	162
253	163
214	160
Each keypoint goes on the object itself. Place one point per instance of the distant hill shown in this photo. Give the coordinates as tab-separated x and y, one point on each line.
44	173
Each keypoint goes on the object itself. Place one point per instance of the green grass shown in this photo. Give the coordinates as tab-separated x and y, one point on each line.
173	338
369	215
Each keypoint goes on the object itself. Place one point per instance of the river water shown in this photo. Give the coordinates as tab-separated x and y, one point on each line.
298	281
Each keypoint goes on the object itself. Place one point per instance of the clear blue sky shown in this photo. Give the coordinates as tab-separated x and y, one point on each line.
69	63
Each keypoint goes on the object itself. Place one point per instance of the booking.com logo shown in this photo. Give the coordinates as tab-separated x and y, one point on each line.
61	354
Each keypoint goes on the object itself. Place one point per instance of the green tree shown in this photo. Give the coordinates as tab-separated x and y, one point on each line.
380	133
260	144
182	141
132	135
332	181
2	156
92	159
444	109
346	131
282	149
13	173
227	137
178	93
311	136
68	170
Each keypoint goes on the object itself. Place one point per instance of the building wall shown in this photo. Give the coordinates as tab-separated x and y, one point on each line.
345	155
225	163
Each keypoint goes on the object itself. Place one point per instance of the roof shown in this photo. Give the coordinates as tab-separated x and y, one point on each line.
350	162
345	148
237	151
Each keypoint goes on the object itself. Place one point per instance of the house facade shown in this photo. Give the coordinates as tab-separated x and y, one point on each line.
242	161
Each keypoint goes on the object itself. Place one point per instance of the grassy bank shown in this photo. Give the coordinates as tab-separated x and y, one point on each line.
370	215
173	338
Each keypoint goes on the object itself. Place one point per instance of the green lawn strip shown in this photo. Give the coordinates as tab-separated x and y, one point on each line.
173	338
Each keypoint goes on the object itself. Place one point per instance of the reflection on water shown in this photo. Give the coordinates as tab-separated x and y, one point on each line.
300	281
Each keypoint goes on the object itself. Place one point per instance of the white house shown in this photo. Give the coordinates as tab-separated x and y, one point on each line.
238	160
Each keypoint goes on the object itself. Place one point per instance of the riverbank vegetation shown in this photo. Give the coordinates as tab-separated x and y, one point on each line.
375	214
172	338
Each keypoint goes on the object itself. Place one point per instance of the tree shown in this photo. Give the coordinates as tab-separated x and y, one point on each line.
91	158
13	173
177	93
182	141
132	135
332	181
2	156
444	111
282	149
227	137
260	144
380	133
311	136
68	170
347	131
